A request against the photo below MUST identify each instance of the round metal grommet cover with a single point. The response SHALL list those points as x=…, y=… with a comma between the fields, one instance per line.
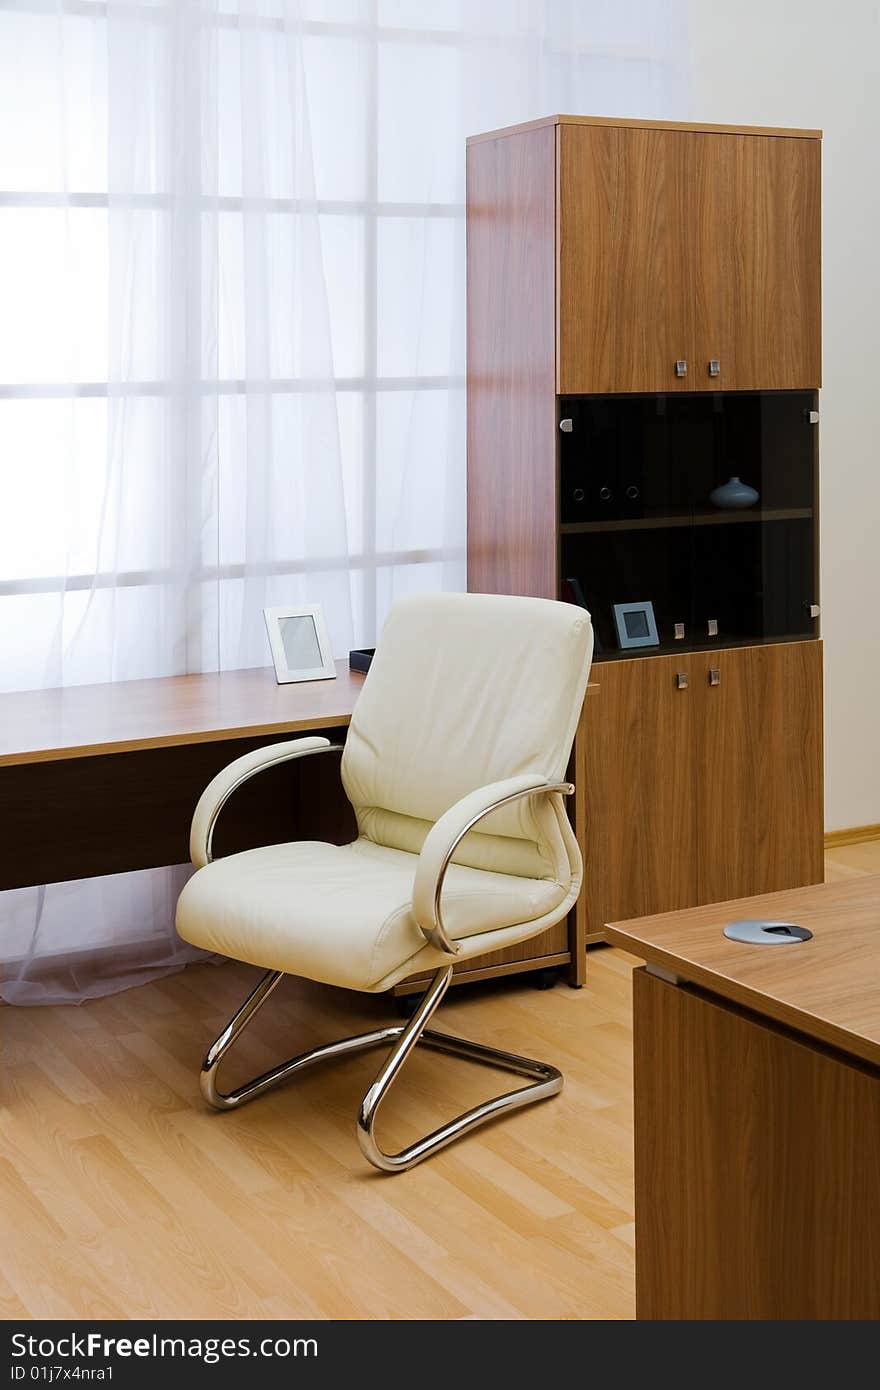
x=759, y=931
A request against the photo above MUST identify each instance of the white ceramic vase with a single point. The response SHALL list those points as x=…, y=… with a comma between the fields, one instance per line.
x=734, y=495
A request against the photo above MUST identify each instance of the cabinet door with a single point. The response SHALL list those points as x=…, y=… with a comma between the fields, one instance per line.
x=624, y=311
x=755, y=255
x=758, y=745
x=636, y=762
x=711, y=257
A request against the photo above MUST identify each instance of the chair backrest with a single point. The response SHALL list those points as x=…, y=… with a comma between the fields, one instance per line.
x=465, y=690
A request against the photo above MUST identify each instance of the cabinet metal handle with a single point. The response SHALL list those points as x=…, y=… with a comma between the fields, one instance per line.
x=566, y=426
x=714, y=675
x=682, y=680
x=681, y=367
x=714, y=366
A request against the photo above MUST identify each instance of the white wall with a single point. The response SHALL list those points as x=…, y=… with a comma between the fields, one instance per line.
x=814, y=64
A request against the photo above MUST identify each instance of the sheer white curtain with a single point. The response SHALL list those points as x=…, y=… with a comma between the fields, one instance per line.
x=232, y=340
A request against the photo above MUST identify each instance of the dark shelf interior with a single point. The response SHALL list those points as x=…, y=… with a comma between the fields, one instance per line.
x=638, y=524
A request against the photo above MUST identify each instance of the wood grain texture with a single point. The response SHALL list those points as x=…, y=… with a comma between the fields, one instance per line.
x=623, y=123
x=760, y=805
x=122, y=1196
x=79, y=721
x=772, y=255
x=844, y=862
x=269, y=1213
x=624, y=288
x=701, y=246
x=639, y=771
x=856, y=834
x=757, y=1167
x=699, y=795
x=827, y=988
x=719, y=793
x=82, y=817
x=511, y=440
x=711, y=256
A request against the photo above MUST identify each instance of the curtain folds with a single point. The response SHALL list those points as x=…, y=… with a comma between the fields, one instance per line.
x=232, y=367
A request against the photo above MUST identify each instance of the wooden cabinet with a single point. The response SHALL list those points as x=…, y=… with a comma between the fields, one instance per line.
x=622, y=252
x=757, y=1149
x=511, y=374
x=773, y=248
x=636, y=764
x=688, y=247
x=754, y=257
x=760, y=740
x=703, y=779
x=601, y=253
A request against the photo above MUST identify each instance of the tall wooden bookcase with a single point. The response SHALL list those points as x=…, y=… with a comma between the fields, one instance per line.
x=643, y=322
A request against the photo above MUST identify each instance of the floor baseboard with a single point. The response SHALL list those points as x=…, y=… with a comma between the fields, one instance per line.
x=836, y=839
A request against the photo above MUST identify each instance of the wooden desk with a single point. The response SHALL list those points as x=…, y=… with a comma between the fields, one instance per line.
x=104, y=779
x=757, y=1109
x=81, y=721
x=100, y=779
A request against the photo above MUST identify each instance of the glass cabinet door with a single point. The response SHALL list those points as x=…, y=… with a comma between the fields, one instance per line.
x=698, y=507
x=754, y=535
x=627, y=517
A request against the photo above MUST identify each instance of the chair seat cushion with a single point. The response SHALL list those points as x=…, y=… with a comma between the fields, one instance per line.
x=342, y=913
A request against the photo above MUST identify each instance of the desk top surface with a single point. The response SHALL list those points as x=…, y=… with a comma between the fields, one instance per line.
x=89, y=720
x=828, y=988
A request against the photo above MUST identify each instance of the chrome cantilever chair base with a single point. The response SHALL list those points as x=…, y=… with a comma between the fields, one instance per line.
x=544, y=1080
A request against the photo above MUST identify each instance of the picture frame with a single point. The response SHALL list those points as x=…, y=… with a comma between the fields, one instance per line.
x=636, y=625
x=300, y=643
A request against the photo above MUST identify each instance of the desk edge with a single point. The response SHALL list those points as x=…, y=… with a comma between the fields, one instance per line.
x=734, y=992
x=173, y=740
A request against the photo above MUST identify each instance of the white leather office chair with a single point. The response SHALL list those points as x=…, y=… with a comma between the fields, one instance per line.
x=454, y=764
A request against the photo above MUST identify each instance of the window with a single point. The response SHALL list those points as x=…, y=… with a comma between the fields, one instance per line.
x=232, y=270
x=232, y=345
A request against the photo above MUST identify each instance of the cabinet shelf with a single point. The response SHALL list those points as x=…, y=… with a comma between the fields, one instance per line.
x=660, y=523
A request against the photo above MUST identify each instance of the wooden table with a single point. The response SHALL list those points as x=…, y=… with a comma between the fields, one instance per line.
x=104, y=779
x=757, y=1109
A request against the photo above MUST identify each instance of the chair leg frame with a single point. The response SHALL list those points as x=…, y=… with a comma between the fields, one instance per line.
x=544, y=1080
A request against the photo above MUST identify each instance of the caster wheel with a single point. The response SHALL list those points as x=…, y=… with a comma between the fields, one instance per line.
x=544, y=979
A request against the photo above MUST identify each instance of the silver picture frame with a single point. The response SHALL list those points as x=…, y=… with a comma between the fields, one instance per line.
x=636, y=625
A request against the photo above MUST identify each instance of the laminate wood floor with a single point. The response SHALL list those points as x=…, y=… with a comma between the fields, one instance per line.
x=121, y=1196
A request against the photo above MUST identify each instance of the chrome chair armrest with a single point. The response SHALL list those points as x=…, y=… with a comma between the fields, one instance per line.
x=446, y=835
x=234, y=775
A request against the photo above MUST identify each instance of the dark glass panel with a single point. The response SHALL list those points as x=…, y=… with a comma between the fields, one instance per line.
x=615, y=462
x=654, y=565
x=755, y=579
x=639, y=523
